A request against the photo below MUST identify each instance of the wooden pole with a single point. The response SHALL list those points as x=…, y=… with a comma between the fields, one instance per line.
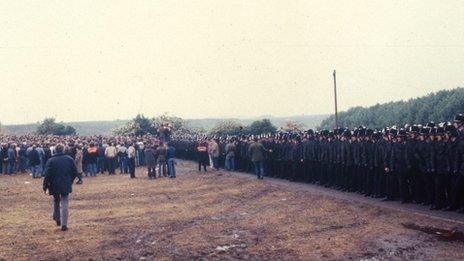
x=335, y=95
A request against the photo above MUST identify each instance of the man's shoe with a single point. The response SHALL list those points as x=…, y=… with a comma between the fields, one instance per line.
x=58, y=222
x=451, y=209
x=64, y=228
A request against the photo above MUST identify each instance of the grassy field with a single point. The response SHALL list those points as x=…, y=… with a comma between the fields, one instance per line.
x=207, y=216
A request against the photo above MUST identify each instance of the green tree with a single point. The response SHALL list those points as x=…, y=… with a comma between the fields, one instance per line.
x=49, y=126
x=141, y=125
x=177, y=124
x=260, y=127
x=439, y=107
x=228, y=127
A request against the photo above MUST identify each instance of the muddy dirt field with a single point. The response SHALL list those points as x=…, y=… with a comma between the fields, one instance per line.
x=208, y=216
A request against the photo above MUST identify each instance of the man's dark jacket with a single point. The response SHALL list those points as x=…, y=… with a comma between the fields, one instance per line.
x=60, y=173
x=34, y=157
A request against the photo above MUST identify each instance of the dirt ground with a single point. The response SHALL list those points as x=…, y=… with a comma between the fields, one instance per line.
x=208, y=216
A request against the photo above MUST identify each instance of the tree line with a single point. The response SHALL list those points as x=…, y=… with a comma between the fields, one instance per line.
x=141, y=125
x=438, y=107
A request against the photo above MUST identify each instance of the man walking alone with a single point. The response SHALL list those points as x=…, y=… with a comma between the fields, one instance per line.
x=60, y=173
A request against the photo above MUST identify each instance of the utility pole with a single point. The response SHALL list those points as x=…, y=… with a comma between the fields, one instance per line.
x=335, y=95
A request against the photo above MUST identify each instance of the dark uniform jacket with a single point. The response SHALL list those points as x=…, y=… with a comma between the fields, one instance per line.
x=424, y=153
x=398, y=157
x=439, y=158
x=453, y=154
x=34, y=157
x=412, y=156
x=150, y=157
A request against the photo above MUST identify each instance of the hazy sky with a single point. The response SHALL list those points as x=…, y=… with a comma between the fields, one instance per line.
x=102, y=60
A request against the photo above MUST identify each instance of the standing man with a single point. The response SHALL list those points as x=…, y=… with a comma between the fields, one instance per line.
x=161, y=156
x=439, y=168
x=110, y=156
x=398, y=165
x=78, y=163
x=202, y=155
x=170, y=153
x=11, y=159
x=4, y=158
x=122, y=156
x=214, y=152
x=60, y=173
x=131, y=160
x=23, y=157
x=457, y=194
x=92, y=155
x=256, y=151
x=101, y=158
x=141, y=146
x=34, y=162
x=150, y=160
x=230, y=155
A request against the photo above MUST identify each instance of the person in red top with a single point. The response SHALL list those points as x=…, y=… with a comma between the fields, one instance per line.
x=92, y=160
x=202, y=155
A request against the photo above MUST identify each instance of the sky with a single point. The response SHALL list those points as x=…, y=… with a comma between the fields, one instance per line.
x=111, y=59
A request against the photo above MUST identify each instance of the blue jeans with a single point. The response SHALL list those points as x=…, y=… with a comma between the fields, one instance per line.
x=100, y=164
x=137, y=158
x=216, y=162
x=259, y=168
x=171, y=168
x=111, y=162
x=23, y=164
x=142, y=158
x=36, y=171
x=123, y=165
x=92, y=169
x=162, y=168
x=42, y=166
x=230, y=163
x=11, y=167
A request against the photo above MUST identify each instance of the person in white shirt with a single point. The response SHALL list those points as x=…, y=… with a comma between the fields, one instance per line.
x=131, y=160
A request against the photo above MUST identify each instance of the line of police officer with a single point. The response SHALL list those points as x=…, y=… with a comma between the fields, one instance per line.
x=420, y=164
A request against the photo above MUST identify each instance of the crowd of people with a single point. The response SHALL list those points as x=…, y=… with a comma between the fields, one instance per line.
x=92, y=155
x=420, y=164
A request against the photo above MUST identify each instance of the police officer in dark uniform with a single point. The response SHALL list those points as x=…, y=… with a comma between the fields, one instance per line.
x=398, y=165
x=298, y=160
x=457, y=194
x=423, y=151
x=439, y=167
x=391, y=181
x=413, y=160
x=455, y=182
x=369, y=156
